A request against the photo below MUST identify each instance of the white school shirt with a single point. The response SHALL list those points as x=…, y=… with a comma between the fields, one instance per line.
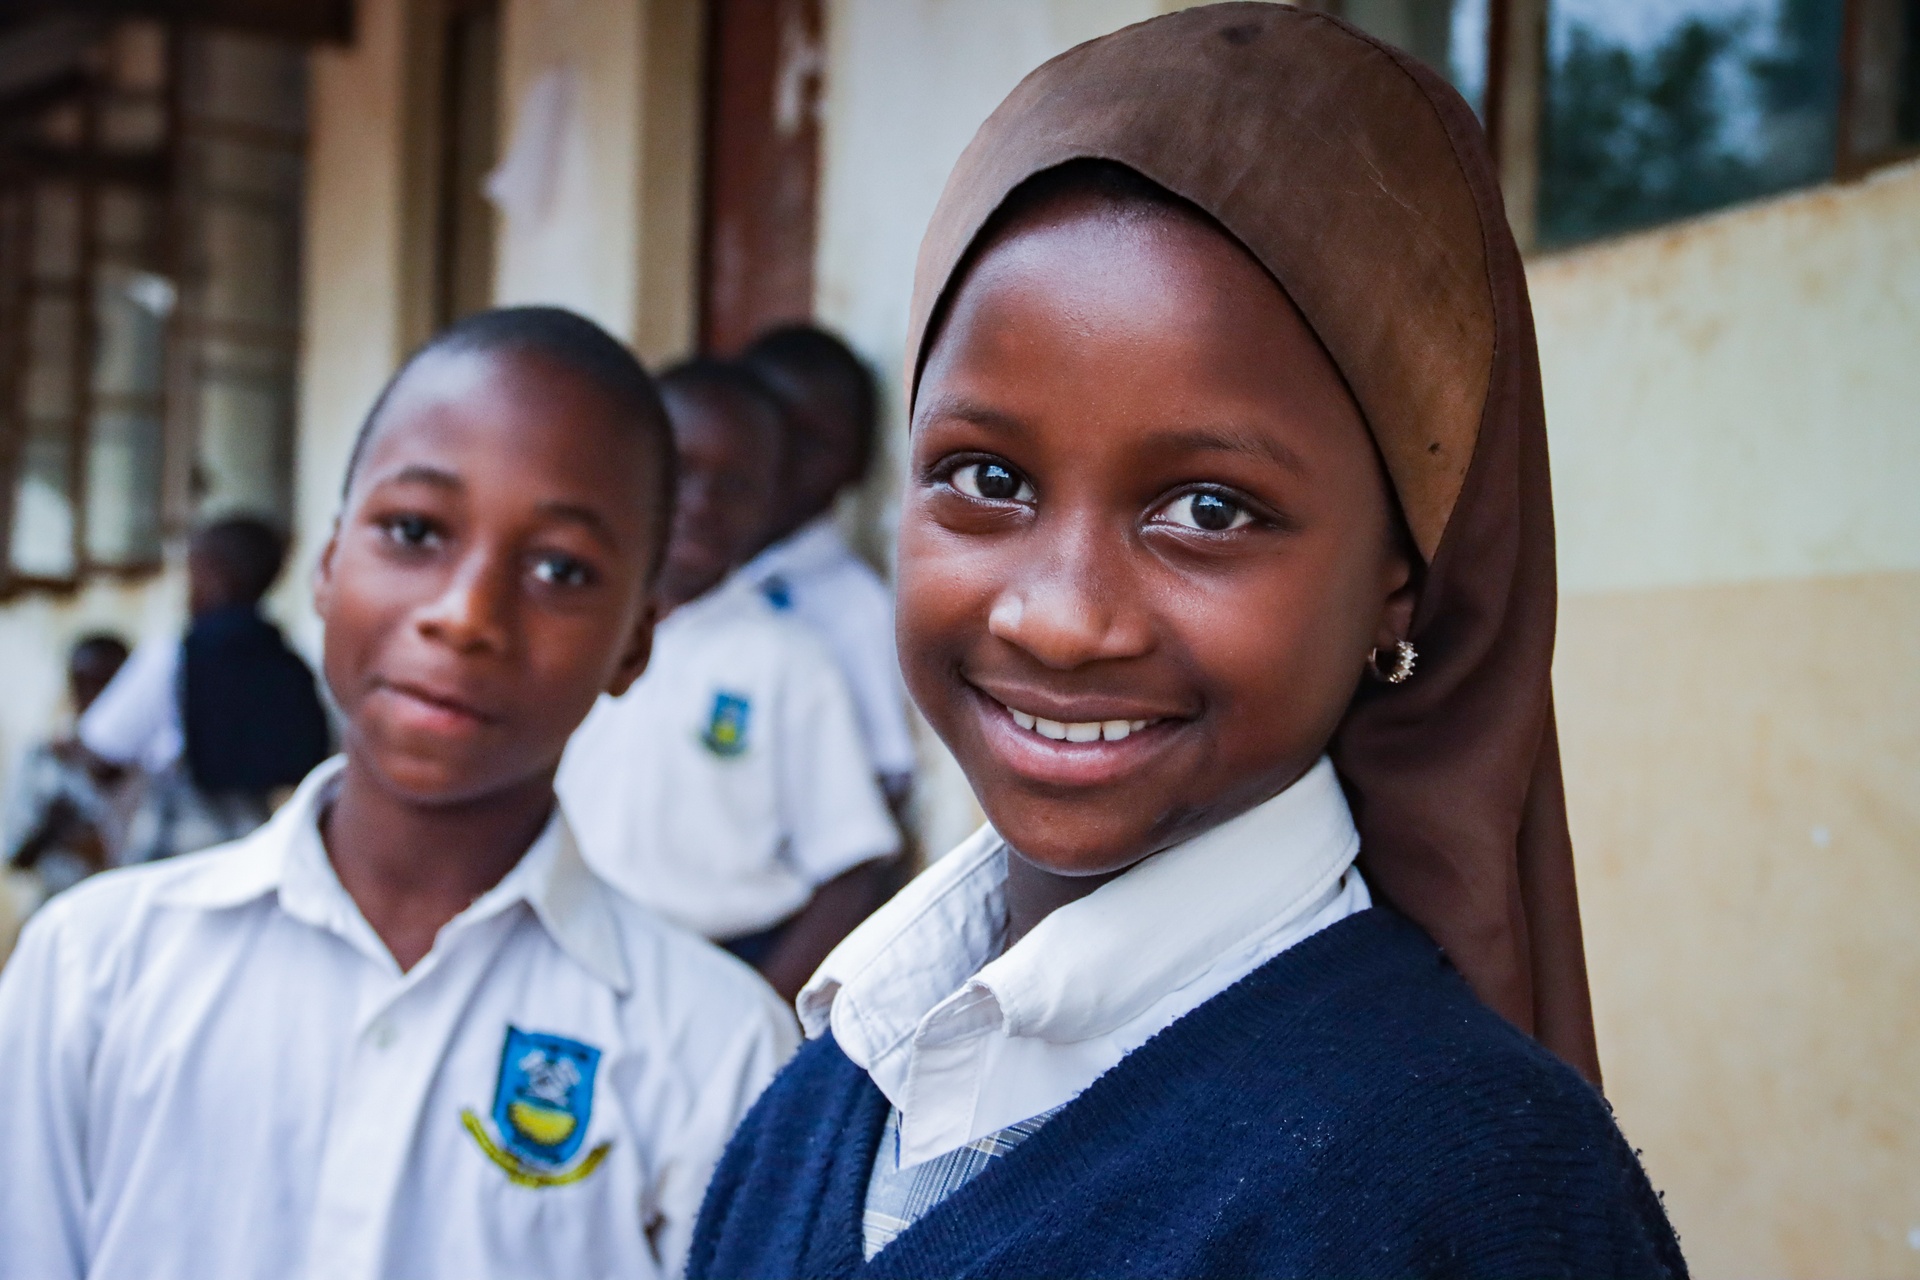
x=813, y=573
x=215, y=1069
x=730, y=781
x=965, y=1040
x=136, y=718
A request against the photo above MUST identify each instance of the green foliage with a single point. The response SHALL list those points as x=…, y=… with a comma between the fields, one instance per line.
x=1697, y=121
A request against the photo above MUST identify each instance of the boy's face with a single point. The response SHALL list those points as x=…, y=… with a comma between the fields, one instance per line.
x=822, y=442
x=728, y=447
x=487, y=580
x=1142, y=509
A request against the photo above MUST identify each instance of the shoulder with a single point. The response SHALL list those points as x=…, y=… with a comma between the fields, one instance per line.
x=742, y=630
x=689, y=988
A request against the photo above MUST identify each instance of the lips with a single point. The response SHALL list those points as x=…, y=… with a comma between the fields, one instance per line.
x=1086, y=746
x=435, y=709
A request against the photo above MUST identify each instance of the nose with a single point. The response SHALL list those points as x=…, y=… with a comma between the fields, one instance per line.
x=1076, y=603
x=473, y=614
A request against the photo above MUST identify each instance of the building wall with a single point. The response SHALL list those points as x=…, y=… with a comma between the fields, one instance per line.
x=1732, y=407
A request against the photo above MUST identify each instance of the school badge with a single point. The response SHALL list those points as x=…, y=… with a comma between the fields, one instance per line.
x=541, y=1106
x=726, y=731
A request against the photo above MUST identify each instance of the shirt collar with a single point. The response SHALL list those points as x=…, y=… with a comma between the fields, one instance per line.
x=813, y=545
x=1093, y=965
x=286, y=856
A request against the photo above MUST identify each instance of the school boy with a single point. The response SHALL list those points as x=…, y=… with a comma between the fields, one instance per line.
x=402, y=1030
x=1225, y=571
x=829, y=404
x=729, y=788
x=223, y=721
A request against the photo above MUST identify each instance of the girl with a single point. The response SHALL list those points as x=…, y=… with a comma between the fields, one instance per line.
x=1226, y=572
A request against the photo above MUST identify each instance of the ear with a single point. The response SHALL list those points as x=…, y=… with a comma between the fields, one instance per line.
x=1396, y=613
x=639, y=650
x=323, y=573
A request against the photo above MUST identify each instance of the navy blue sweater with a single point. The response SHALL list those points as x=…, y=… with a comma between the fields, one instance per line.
x=1347, y=1110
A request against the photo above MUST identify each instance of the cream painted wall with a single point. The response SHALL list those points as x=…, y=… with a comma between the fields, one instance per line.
x=1737, y=397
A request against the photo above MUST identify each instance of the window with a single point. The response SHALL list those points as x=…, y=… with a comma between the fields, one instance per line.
x=149, y=199
x=1610, y=116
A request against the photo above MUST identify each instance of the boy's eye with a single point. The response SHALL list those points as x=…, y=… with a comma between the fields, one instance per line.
x=411, y=532
x=993, y=481
x=562, y=571
x=1208, y=510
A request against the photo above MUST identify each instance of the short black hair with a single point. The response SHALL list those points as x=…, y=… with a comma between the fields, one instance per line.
x=577, y=345
x=248, y=552
x=97, y=649
x=808, y=352
x=731, y=377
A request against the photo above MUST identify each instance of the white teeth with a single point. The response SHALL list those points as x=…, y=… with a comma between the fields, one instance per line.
x=1076, y=731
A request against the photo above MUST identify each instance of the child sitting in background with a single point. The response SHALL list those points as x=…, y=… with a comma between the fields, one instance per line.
x=829, y=408
x=402, y=1030
x=1226, y=573
x=729, y=788
x=66, y=810
x=222, y=722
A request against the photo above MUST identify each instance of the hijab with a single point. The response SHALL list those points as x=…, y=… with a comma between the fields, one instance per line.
x=1362, y=182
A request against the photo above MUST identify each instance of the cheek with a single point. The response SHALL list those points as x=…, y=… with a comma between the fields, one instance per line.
x=943, y=590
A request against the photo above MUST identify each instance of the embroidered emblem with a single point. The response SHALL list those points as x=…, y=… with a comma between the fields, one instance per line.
x=778, y=594
x=726, y=731
x=541, y=1106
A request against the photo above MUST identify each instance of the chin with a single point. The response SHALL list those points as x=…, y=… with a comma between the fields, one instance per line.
x=1069, y=840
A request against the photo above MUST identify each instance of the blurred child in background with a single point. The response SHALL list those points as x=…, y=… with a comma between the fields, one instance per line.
x=66, y=811
x=223, y=721
x=830, y=410
x=403, y=1031
x=729, y=789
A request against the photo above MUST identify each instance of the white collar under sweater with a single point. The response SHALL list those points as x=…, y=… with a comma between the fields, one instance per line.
x=965, y=1040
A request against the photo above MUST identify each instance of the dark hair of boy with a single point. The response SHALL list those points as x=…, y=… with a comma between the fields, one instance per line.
x=91, y=664
x=729, y=438
x=831, y=405
x=490, y=575
x=233, y=561
x=572, y=341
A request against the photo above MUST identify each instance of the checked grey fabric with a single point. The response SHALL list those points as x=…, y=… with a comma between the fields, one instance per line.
x=897, y=1198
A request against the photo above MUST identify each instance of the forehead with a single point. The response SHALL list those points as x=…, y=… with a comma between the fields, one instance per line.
x=511, y=419
x=713, y=412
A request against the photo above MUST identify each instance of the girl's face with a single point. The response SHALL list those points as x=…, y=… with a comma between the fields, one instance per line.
x=1147, y=544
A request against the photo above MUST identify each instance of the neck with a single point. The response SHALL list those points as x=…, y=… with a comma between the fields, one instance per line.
x=1034, y=893
x=410, y=867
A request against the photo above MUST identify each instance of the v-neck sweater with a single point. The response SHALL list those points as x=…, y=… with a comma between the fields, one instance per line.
x=1348, y=1109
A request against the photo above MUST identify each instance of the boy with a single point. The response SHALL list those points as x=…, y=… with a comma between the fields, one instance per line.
x=222, y=722
x=729, y=789
x=829, y=401
x=402, y=1030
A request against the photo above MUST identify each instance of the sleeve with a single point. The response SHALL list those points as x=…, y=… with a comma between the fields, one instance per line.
x=136, y=718
x=29, y=794
x=48, y=1028
x=734, y=1082
x=833, y=810
x=856, y=614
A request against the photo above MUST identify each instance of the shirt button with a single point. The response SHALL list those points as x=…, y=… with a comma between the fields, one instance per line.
x=382, y=1034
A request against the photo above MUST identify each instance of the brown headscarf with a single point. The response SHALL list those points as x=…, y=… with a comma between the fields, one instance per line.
x=1362, y=182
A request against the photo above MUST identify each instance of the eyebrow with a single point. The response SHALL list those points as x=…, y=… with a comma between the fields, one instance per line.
x=1220, y=438
x=567, y=512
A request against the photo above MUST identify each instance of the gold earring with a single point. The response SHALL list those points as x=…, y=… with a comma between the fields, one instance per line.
x=1403, y=657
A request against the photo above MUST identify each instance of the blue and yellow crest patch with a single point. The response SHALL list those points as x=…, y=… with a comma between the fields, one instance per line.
x=726, y=731
x=541, y=1106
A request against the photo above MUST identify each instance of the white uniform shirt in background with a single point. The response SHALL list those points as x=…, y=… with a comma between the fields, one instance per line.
x=814, y=574
x=136, y=718
x=965, y=1040
x=730, y=782
x=215, y=1069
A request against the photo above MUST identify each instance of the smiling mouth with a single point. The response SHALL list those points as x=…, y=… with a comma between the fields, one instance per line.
x=439, y=702
x=1076, y=730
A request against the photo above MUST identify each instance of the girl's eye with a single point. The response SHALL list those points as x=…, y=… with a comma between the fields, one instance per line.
x=412, y=532
x=1208, y=510
x=993, y=481
x=562, y=571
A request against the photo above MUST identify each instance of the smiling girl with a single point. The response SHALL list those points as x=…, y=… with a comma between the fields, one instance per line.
x=1226, y=573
